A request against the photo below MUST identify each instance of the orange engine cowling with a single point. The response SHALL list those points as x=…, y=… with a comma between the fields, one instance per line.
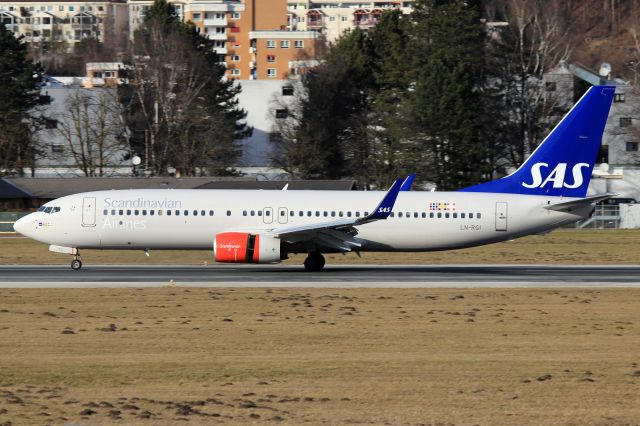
x=241, y=247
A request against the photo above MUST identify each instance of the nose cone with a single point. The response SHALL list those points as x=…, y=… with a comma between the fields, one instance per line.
x=21, y=225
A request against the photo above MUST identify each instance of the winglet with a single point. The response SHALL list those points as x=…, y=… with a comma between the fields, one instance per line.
x=385, y=207
x=406, y=185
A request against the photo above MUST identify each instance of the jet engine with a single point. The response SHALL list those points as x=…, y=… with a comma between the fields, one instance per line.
x=241, y=247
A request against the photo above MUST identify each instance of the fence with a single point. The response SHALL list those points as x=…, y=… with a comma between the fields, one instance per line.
x=7, y=219
x=605, y=216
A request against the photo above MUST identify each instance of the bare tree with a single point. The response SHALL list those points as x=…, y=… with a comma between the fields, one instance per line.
x=93, y=131
x=535, y=41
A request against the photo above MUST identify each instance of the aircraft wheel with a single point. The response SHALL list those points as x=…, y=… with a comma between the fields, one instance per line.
x=76, y=264
x=314, y=262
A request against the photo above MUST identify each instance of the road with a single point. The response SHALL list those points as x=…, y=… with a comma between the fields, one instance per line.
x=402, y=276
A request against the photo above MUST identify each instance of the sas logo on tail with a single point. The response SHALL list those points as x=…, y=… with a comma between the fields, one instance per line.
x=557, y=176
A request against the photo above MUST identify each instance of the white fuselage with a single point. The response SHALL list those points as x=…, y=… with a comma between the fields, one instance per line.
x=422, y=221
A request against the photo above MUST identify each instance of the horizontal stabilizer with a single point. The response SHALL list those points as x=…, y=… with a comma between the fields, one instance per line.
x=570, y=205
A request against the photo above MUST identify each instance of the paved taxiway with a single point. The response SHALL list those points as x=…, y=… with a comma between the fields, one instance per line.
x=402, y=276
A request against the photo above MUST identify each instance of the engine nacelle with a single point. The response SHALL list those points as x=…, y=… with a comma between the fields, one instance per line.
x=241, y=247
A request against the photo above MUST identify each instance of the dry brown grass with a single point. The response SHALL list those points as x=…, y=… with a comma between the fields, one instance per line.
x=366, y=356
x=560, y=247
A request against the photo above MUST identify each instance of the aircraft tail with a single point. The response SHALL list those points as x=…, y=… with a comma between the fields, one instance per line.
x=563, y=162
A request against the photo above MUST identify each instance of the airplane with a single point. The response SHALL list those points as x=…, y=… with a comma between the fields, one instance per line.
x=245, y=226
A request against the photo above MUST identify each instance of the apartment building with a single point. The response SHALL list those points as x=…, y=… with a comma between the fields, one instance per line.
x=67, y=20
x=252, y=35
x=333, y=17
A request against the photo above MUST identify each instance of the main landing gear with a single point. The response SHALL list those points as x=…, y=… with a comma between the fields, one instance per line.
x=314, y=262
x=76, y=263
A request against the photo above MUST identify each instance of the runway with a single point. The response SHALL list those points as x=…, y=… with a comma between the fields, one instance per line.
x=333, y=276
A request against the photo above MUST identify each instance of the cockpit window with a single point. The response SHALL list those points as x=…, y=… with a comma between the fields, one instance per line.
x=49, y=210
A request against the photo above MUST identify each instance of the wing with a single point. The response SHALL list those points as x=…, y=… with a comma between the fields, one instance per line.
x=338, y=235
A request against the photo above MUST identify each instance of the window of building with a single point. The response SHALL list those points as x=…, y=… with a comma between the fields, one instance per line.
x=298, y=44
x=196, y=16
x=235, y=15
x=59, y=148
x=51, y=123
x=625, y=121
x=60, y=8
x=271, y=44
x=235, y=58
x=282, y=113
x=631, y=146
x=235, y=72
x=550, y=86
x=619, y=97
x=271, y=72
x=287, y=90
x=72, y=8
x=285, y=44
x=332, y=18
x=271, y=58
x=344, y=19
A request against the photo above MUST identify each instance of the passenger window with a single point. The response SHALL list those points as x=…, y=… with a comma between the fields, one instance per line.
x=478, y=216
x=325, y=213
x=267, y=213
x=229, y=213
x=455, y=215
x=244, y=212
x=203, y=213
x=317, y=213
x=210, y=212
x=121, y=212
x=408, y=215
x=195, y=212
x=431, y=215
x=415, y=214
x=470, y=215
x=439, y=215
x=333, y=214
x=461, y=215
x=348, y=214
x=260, y=213
x=446, y=215
x=340, y=214
x=300, y=213
x=424, y=215
x=357, y=214
x=252, y=213
x=292, y=213
x=392, y=214
x=105, y=212
x=366, y=214
x=399, y=214
x=128, y=212
x=177, y=212
x=159, y=212
x=113, y=212
x=168, y=212
x=144, y=212
x=308, y=213
x=152, y=212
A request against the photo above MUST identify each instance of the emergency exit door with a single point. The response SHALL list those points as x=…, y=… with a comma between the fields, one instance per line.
x=89, y=211
x=501, y=216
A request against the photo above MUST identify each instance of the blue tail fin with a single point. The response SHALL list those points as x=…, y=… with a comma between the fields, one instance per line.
x=563, y=162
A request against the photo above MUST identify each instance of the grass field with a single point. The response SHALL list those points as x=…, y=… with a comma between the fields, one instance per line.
x=316, y=356
x=566, y=246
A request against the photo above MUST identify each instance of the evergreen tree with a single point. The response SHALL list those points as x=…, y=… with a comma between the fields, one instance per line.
x=448, y=44
x=182, y=114
x=20, y=82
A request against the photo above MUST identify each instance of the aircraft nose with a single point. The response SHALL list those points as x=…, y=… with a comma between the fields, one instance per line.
x=21, y=225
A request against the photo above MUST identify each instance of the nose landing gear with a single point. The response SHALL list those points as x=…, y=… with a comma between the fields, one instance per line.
x=76, y=263
x=314, y=262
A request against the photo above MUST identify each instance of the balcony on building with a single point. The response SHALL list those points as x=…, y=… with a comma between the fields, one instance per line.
x=84, y=21
x=315, y=20
x=10, y=21
x=215, y=19
x=365, y=18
